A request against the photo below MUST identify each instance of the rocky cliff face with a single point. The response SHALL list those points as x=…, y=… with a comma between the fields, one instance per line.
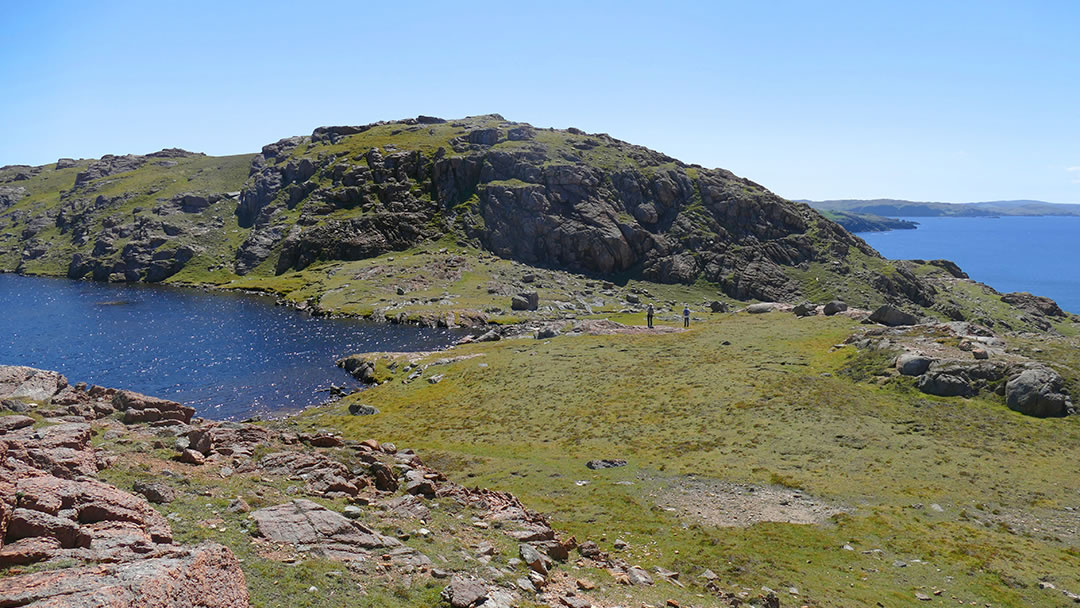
x=587, y=203
x=565, y=199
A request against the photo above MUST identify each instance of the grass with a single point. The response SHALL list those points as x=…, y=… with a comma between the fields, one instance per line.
x=771, y=408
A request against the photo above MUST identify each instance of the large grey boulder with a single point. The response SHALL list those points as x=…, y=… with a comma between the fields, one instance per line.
x=1037, y=392
x=910, y=364
x=892, y=316
x=833, y=307
x=761, y=308
x=944, y=385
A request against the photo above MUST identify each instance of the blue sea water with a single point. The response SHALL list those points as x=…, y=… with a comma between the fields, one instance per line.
x=1040, y=255
x=228, y=355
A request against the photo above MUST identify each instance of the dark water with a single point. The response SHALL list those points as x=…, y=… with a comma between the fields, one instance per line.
x=228, y=355
x=1040, y=255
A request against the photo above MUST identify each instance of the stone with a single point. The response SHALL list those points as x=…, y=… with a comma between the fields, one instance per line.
x=305, y=523
x=980, y=353
x=910, y=364
x=718, y=306
x=605, y=464
x=464, y=592
x=142, y=408
x=529, y=300
x=638, y=576
x=190, y=456
x=1037, y=392
x=360, y=409
x=547, y=332
x=892, y=316
x=155, y=492
x=536, y=561
x=833, y=307
x=944, y=385
x=208, y=576
x=14, y=423
x=416, y=483
x=633, y=298
x=804, y=309
x=761, y=308
x=19, y=382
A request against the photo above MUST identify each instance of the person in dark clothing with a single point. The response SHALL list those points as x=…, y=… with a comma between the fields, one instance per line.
x=686, y=316
x=649, y=315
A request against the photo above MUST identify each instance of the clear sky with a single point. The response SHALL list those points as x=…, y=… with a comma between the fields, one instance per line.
x=944, y=101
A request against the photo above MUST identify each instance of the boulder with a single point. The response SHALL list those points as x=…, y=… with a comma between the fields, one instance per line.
x=910, y=364
x=804, y=309
x=528, y=300
x=156, y=492
x=305, y=523
x=944, y=385
x=1037, y=392
x=360, y=409
x=834, y=306
x=19, y=382
x=718, y=306
x=142, y=408
x=892, y=316
x=760, y=308
x=464, y=592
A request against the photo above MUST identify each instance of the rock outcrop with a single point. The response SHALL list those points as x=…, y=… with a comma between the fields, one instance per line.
x=53, y=510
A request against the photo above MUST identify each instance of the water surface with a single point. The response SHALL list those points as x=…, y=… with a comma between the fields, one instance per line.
x=228, y=355
x=1034, y=254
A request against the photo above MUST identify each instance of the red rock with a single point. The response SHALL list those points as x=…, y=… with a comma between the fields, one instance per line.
x=190, y=456
x=28, y=524
x=208, y=576
x=213, y=437
x=92, y=501
x=13, y=423
x=326, y=440
x=27, y=551
x=61, y=450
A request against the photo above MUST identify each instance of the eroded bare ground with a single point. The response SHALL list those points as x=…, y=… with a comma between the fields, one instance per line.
x=725, y=504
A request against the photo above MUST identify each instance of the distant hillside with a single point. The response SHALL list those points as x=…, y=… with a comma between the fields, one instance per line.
x=561, y=199
x=900, y=208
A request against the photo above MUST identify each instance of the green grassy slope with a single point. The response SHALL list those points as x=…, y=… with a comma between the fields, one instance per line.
x=773, y=408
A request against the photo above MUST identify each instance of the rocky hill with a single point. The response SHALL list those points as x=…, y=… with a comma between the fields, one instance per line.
x=562, y=199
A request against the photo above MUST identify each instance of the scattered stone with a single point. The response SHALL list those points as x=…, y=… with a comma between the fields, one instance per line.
x=804, y=309
x=980, y=353
x=464, y=592
x=638, y=576
x=605, y=464
x=718, y=306
x=536, y=561
x=156, y=492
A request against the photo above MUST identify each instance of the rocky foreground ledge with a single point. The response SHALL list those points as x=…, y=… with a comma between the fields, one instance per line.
x=67, y=538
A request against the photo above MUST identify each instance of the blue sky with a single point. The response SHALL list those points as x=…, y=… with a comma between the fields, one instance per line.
x=950, y=101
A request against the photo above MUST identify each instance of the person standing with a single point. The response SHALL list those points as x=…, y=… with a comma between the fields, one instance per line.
x=686, y=315
x=649, y=315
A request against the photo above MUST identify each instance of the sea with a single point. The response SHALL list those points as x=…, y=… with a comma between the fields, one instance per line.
x=1040, y=255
